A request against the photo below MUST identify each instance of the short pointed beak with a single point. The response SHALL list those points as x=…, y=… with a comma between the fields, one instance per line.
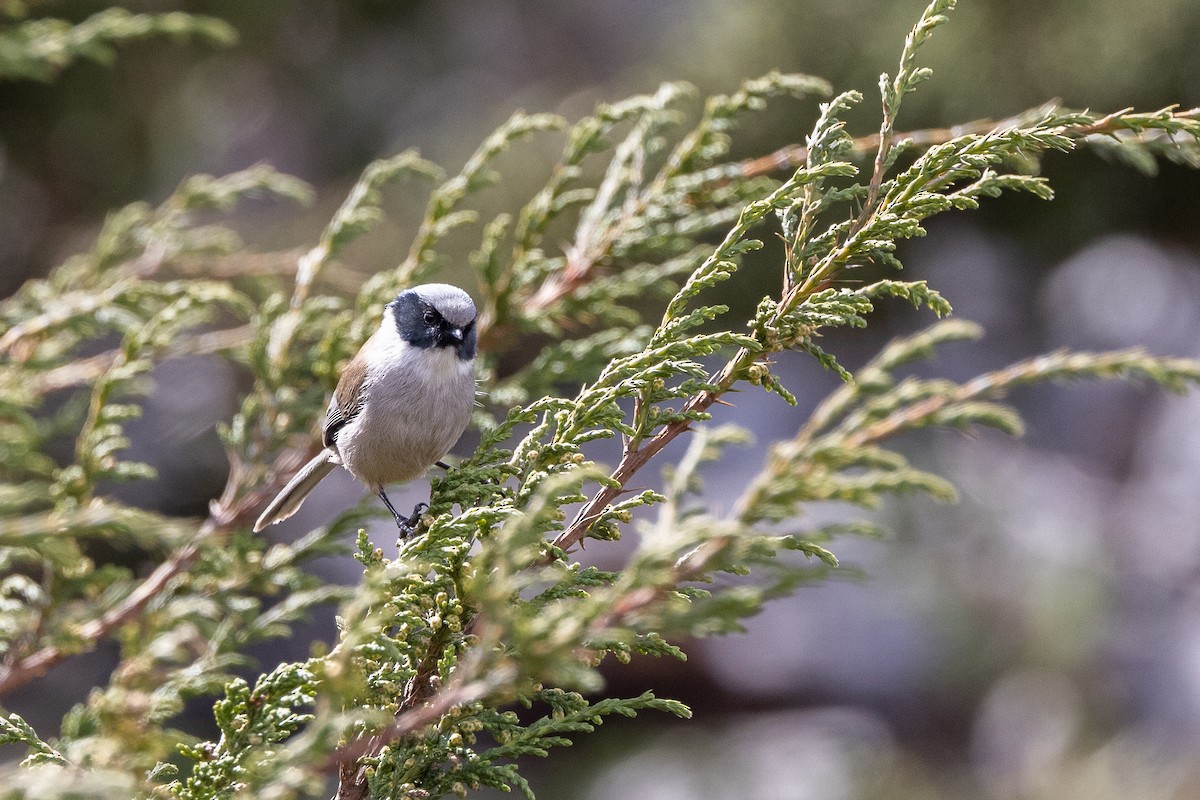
x=455, y=335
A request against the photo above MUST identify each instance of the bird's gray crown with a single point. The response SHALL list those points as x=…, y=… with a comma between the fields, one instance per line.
x=455, y=305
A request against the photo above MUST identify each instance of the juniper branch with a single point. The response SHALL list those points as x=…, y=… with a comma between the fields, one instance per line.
x=1134, y=363
x=86, y=370
x=39, y=49
x=1091, y=133
x=411, y=719
x=434, y=641
x=637, y=455
x=228, y=513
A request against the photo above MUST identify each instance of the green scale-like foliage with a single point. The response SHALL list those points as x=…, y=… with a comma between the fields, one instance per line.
x=478, y=644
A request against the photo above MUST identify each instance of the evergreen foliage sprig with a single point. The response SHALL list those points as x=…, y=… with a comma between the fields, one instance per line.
x=40, y=48
x=492, y=606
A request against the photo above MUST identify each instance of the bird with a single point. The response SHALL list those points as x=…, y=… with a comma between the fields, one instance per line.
x=400, y=404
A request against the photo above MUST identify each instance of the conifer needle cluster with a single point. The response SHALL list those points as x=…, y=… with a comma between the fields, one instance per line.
x=478, y=645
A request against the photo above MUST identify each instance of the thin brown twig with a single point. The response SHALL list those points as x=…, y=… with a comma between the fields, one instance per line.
x=67, y=306
x=796, y=155
x=985, y=385
x=226, y=514
x=423, y=702
x=148, y=262
x=992, y=384
x=582, y=261
x=352, y=784
x=634, y=459
x=417, y=712
x=89, y=369
x=38, y=663
x=689, y=567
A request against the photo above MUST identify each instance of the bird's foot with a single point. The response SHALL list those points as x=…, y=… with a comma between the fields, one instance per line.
x=408, y=525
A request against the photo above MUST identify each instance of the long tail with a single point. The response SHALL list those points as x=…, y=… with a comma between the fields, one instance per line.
x=288, y=501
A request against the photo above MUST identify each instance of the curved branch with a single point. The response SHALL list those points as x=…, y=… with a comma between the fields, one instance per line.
x=636, y=455
x=226, y=513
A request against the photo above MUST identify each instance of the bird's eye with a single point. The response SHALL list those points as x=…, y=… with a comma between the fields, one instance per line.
x=430, y=318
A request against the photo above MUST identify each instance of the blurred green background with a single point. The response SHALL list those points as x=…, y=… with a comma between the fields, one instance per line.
x=1040, y=639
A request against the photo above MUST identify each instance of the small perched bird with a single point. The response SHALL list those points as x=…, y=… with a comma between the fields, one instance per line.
x=401, y=403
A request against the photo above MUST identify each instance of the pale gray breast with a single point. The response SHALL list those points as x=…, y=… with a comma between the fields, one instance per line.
x=414, y=410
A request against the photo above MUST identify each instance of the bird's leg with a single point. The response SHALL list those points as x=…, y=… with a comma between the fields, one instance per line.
x=407, y=525
x=400, y=521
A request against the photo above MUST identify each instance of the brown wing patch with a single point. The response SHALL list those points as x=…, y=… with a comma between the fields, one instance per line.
x=347, y=399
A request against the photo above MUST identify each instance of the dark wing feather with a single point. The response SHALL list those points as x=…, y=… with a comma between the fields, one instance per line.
x=347, y=400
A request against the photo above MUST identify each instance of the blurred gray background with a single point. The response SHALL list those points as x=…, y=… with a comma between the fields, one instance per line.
x=1039, y=639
